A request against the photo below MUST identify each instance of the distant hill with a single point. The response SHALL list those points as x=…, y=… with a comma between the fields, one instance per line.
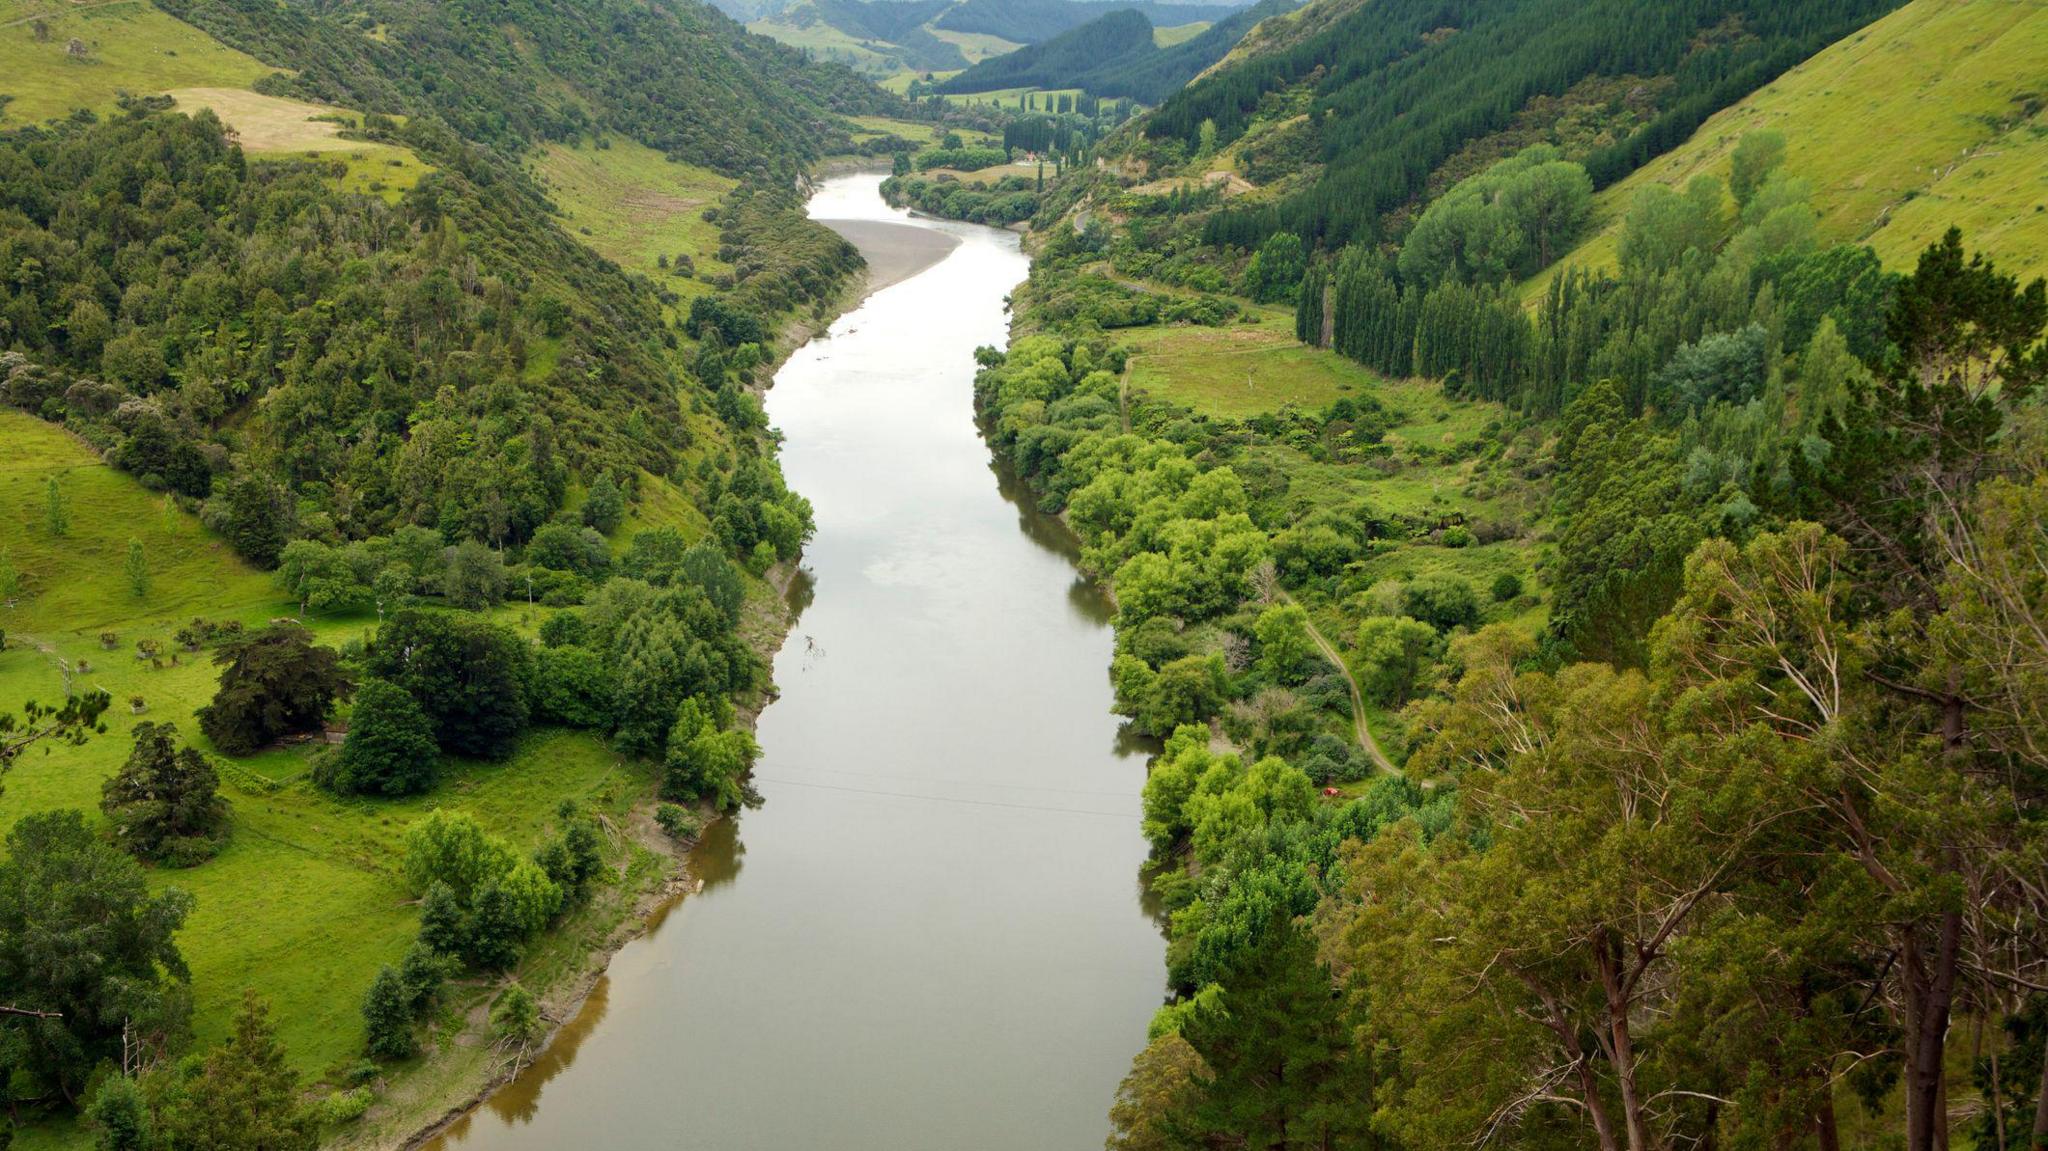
x=1116, y=55
x=1033, y=21
x=888, y=36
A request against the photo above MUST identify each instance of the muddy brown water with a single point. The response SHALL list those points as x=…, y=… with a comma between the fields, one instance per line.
x=933, y=934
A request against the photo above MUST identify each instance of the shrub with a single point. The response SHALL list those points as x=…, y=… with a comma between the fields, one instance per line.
x=678, y=821
x=1507, y=586
x=1457, y=536
x=1443, y=602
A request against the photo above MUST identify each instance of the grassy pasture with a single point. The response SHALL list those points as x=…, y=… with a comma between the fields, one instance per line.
x=130, y=46
x=633, y=205
x=1239, y=370
x=1932, y=116
x=976, y=46
x=274, y=128
x=1177, y=34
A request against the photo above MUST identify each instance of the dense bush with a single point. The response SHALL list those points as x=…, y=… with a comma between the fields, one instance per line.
x=469, y=676
x=390, y=749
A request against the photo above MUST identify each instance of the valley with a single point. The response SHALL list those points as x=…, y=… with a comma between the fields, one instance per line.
x=1023, y=573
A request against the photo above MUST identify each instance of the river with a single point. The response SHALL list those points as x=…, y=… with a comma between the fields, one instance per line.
x=932, y=935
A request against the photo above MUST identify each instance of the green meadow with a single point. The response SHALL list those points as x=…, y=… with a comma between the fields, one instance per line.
x=304, y=904
x=633, y=206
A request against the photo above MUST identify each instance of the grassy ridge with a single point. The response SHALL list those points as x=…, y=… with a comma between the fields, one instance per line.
x=131, y=46
x=1930, y=117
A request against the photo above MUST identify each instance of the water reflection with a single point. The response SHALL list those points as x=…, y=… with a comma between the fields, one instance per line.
x=935, y=944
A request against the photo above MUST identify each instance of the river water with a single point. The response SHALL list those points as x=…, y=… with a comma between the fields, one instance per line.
x=932, y=936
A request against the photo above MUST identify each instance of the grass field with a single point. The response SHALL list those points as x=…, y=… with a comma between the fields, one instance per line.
x=976, y=46
x=304, y=904
x=1012, y=97
x=831, y=44
x=1177, y=34
x=131, y=46
x=1239, y=370
x=633, y=205
x=274, y=128
x=1930, y=117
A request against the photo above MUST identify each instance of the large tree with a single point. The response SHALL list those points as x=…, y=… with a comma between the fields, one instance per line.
x=165, y=801
x=278, y=682
x=86, y=956
x=470, y=676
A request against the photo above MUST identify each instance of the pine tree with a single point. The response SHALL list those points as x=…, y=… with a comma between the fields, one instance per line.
x=245, y=1095
x=1282, y=1073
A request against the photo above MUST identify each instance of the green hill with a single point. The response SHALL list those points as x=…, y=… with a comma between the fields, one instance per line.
x=1931, y=117
x=1397, y=92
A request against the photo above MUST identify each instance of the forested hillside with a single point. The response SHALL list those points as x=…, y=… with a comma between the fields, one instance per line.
x=1373, y=105
x=1592, y=716
x=326, y=387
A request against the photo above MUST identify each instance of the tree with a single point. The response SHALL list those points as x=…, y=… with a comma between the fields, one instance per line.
x=121, y=1115
x=1392, y=653
x=1280, y=1069
x=1285, y=649
x=390, y=749
x=565, y=547
x=164, y=803
x=476, y=576
x=255, y=515
x=705, y=759
x=575, y=855
x=1161, y=1084
x=604, y=506
x=1442, y=602
x=515, y=1018
x=388, y=1017
x=469, y=675
x=56, y=515
x=136, y=568
x=244, y=1096
x=479, y=900
x=277, y=683
x=452, y=848
x=1757, y=155
x=1912, y=449
x=65, y=894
